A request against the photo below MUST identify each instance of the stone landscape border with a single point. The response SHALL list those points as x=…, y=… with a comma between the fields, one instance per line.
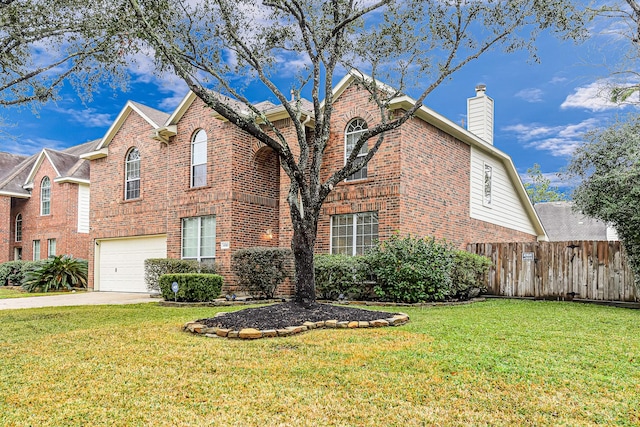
x=251, y=333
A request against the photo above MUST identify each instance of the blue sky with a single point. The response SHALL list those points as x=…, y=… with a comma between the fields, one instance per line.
x=541, y=110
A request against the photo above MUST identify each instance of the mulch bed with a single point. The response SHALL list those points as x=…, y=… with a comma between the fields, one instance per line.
x=285, y=314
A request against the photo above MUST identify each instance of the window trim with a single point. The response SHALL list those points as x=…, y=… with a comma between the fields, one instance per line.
x=127, y=179
x=51, y=243
x=195, y=141
x=199, y=257
x=364, y=126
x=354, y=230
x=45, y=196
x=18, y=228
x=36, y=245
x=487, y=185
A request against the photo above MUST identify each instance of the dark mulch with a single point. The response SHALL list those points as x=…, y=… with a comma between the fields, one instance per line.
x=285, y=314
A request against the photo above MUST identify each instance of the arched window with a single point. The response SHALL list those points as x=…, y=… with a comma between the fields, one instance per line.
x=132, y=175
x=355, y=128
x=19, y=227
x=45, y=196
x=199, y=159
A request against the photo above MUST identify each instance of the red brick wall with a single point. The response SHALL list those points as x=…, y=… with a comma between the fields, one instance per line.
x=435, y=183
x=418, y=182
x=380, y=191
x=112, y=215
x=6, y=233
x=61, y=224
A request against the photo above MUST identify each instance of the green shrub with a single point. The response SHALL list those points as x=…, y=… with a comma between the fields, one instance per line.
x=260, y=270
x=412, y=270
x=156, y=267
x=192, y=287
x=10, y=272
x=342, y=275
x=468, y=274
x=13, y=271
x=55, y=273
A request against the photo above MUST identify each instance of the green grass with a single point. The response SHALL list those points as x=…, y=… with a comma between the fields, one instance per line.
x=18, y=292
x=497, y=363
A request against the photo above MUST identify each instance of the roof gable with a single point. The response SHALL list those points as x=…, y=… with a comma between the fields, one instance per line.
x=154, y=117
x=15, y=175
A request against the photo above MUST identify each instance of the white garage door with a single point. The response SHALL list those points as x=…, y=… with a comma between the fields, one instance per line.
x=121, y=262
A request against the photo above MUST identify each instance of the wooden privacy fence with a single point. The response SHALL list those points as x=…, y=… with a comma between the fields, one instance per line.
x=594, y=270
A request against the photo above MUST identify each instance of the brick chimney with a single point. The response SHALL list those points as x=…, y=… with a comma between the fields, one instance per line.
x=480, y=115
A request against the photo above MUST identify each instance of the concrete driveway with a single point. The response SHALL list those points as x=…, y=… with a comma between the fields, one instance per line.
x=80, y=298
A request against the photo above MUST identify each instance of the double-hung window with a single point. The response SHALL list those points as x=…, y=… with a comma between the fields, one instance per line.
x=132, y=175
x=45, y=196
x=199, y=159
x=352, y=133
x=354, y=234
x=36, y=250
x=199, y=238
x=51, y=247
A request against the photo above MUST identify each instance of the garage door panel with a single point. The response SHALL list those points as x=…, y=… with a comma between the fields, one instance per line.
x=121, y=262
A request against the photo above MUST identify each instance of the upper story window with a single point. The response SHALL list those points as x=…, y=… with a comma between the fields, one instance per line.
x=19, y=227
x=45, y=196
x=199, y=159
x=355, y=128
x=488, y=177
x=132, y=175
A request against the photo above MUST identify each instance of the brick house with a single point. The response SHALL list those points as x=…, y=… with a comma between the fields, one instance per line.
x=190, y=185
x=44, y=204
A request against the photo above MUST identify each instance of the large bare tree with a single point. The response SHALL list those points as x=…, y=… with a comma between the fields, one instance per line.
x=47, y=43
x=210, y=44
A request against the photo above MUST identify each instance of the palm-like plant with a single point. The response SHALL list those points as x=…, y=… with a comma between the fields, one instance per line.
x=55, y=273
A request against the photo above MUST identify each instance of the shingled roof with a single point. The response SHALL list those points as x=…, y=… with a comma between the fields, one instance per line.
x=16, y=171
x=563, y=224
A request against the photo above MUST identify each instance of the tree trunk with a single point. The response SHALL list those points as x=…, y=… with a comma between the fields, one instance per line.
x=303, y=247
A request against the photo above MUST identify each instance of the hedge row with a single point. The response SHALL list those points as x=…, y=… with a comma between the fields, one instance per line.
x=405, y=270
x=192, y=287
x=156, y=267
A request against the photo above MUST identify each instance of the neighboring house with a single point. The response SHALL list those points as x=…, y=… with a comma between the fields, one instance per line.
x=44, y=204
x=191, y=185
x=563, y=224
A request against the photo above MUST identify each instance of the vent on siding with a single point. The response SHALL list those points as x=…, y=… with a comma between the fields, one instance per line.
x=480, y=115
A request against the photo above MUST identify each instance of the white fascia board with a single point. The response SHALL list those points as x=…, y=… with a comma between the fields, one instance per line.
x=36, y=166
x=144, y=116
x=16, y=195
x=72, y=180
x=93, y=155
x=117, y=124
x=352, y=75
x=184, y=105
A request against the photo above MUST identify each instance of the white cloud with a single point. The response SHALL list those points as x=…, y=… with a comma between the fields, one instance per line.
x=143, y=70
x=530, y=94
x=557, y=79
x=559, y=141
x=87, y=117
x=594, y=97
x=29, y=146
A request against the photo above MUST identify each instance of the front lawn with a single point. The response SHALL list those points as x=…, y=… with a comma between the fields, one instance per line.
x=500, y=362
x=18, y=292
